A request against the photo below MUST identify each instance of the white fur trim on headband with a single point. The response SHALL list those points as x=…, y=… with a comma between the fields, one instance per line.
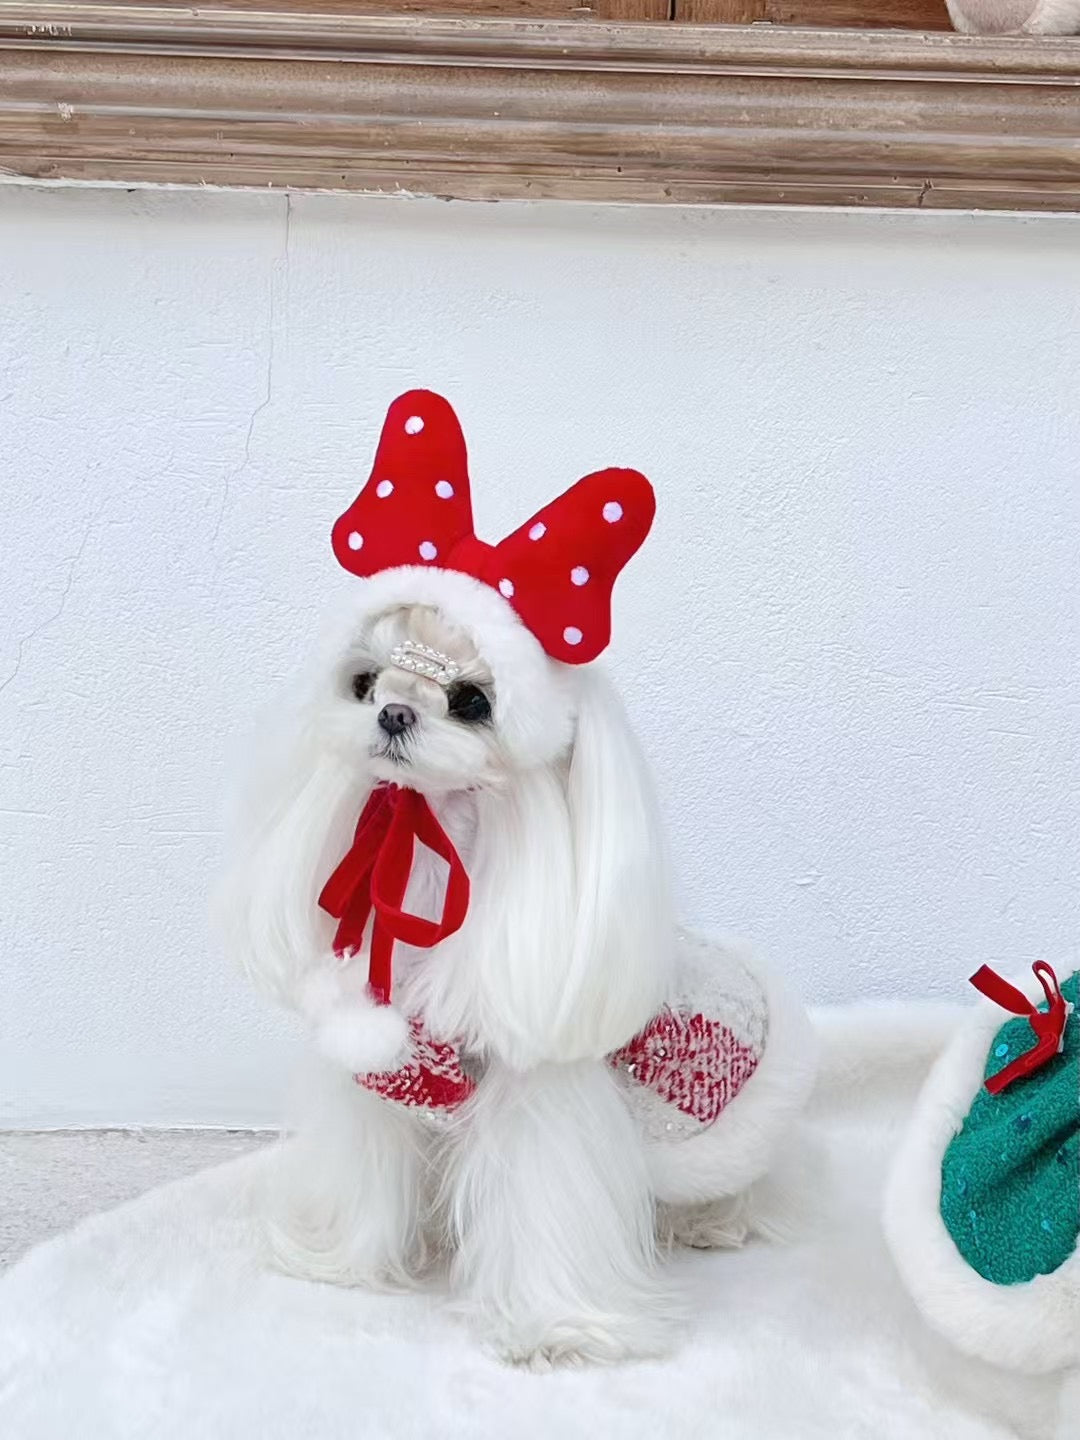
x=1033, y=1327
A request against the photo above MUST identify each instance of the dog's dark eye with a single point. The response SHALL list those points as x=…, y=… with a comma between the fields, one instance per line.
x=362, y=685
x=469, y=704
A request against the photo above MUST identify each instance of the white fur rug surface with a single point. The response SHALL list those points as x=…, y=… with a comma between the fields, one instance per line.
x=160, y=1321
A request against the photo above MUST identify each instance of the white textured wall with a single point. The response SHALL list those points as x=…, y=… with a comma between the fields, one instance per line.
x=851, y=646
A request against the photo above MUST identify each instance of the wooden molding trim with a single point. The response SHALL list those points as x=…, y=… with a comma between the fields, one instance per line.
x=484, y=108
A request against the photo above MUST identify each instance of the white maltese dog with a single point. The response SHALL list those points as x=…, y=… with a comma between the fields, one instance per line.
x=456, y=876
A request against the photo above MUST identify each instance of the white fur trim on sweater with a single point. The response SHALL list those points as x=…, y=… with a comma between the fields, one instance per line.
x=739, y=1146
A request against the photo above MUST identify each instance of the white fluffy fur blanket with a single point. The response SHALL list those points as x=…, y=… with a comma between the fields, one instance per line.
x=159, y=1320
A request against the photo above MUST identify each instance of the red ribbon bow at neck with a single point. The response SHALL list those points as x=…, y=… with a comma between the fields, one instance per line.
x=1048, y=1025
x=374, y=876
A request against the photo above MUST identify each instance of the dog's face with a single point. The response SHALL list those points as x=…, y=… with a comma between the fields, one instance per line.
x=430, y=735
x=568, y=878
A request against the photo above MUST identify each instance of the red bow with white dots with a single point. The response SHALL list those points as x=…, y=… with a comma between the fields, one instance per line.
x=557, y=570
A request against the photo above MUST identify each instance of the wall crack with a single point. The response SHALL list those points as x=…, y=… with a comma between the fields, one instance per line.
x=43, y=625
x=268, y=395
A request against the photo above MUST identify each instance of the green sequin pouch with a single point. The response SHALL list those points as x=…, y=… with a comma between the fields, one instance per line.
x=1010, y=1181
x=982, y=1208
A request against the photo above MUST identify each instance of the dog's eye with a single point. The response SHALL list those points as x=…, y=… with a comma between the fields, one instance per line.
x=469, y=703
x=362, y=685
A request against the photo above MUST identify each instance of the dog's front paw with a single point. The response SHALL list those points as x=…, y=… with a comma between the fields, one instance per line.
x=721, y=1224
x=604, y=1340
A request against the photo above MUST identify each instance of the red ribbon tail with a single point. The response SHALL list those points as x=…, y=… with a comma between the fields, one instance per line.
x=1048, y=1025
x=381, y=963
x=990, y=984
x=346, y=896
x=374, y=876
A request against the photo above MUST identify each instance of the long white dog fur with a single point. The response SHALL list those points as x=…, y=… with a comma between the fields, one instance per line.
x=539, y=1190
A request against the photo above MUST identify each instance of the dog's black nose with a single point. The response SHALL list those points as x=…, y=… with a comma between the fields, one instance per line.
x=396, y=719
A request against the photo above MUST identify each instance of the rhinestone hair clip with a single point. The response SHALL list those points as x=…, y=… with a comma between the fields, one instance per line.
x=423, y=660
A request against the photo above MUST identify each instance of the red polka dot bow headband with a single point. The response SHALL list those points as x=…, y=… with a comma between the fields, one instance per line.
x=557, y=570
